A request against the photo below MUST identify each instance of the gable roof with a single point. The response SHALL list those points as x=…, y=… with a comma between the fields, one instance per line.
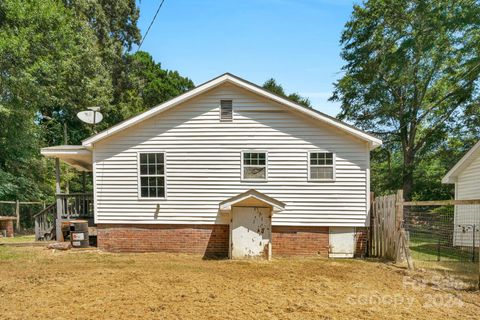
x=230, y=78
x=472, y=154
x=227, y=205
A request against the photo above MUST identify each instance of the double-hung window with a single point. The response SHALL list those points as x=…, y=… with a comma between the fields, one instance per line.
x=152, y=175
x=254, y=165
x=321, y=166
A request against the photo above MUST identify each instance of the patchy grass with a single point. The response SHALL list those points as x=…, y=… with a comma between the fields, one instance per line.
x=18, y=239
x=8, y=254
x=425, y=247
x=39, y=283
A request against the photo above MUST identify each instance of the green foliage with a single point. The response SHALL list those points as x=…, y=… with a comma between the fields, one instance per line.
x=143, y=84
x=411, y=76
x=49, y=66
x=272, y=86
x=114, y=23
x=56, y=59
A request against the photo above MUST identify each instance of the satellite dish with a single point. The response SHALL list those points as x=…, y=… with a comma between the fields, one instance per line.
x=90, y=116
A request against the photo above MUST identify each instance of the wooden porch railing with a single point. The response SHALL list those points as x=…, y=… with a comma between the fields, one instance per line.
x=45, y=223
x=73, y=206
x=76, y=205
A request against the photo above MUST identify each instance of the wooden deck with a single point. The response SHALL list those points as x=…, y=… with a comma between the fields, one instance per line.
x=68, y=207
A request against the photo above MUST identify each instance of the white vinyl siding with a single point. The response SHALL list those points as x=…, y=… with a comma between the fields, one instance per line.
x=467, y=187
x=204, y=157
x=468, y=182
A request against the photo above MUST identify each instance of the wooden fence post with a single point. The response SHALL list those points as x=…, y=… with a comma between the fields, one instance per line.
x=372, y=225
x=398, y=225
x=58, y=220
x=17, y=214
x=402, y=245
x=406, y=249
x=399, y=212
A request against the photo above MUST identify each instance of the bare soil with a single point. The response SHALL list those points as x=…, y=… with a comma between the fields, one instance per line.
x=39, y=283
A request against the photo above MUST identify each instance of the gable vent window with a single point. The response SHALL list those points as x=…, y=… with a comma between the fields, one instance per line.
x=226, y=110
x=152, y=175
x=321, y=166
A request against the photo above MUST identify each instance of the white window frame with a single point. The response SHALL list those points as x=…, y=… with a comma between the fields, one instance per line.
x=333, y=165
x=242, y=178
x=220, y=111
x=139, y=175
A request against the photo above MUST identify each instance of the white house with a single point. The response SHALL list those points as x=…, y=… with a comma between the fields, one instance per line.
x=228, y=168
x=466, y=177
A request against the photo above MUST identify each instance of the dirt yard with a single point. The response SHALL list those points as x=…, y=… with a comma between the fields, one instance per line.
x=39, y=283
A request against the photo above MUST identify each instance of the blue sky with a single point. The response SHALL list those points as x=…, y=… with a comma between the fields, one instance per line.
x=294, y=41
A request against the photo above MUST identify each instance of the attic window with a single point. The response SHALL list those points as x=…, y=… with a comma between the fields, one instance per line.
x=226, y=110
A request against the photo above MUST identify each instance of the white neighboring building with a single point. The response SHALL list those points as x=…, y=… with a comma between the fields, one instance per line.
x=466, y=177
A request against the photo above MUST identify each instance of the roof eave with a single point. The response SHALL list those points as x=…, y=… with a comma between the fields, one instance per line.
x=76, y=156
x=373, y=141
x=227, y=205
x=155, y=110
x=449, y=180
x=452, y=175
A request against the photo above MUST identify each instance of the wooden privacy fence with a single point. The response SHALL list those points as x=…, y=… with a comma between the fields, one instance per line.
x=388, y=238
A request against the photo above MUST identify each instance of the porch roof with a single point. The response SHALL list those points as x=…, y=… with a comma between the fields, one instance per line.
x=78, y=157
x=252, y=197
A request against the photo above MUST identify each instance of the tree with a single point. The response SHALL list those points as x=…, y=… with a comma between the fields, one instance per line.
x=114, y=23
x=112, y=29
x=60, y=57
x=143, y=84
x=272, y=86
x=49, y=66
x=411, y=74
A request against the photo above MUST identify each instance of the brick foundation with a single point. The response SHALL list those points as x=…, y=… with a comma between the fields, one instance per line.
x=208, y=240
x=8, y=226
x=213, y=240
x=290, y=241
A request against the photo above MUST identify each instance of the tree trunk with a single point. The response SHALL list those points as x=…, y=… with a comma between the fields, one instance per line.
x=408, y=168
